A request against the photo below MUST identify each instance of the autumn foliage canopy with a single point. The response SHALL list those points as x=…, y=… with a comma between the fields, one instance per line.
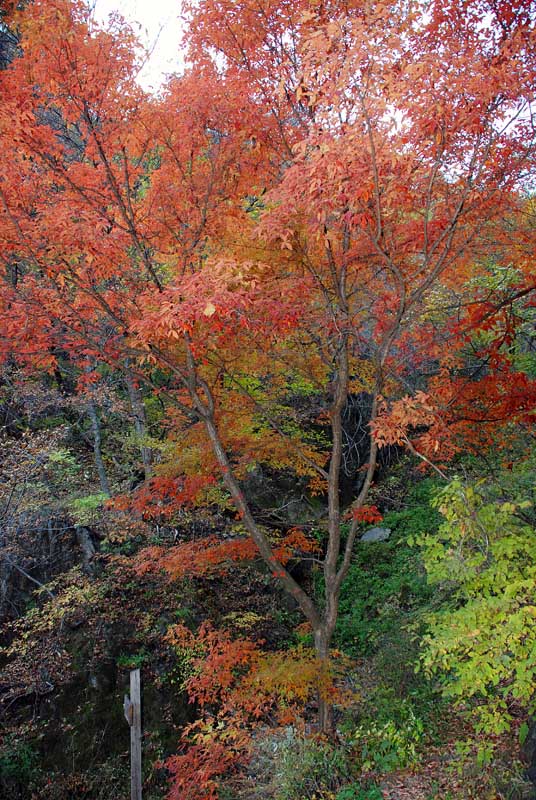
x=334, y=201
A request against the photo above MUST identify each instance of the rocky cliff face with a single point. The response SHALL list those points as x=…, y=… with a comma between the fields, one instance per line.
x=8, y=44
x=36, y=551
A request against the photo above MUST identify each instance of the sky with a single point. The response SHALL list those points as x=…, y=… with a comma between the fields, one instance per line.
x=158, y=26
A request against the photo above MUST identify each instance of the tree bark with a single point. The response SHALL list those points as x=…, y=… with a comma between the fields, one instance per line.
x=323, y=625
x=322, y=639
x=139, y=418
x=87, y=547
x=97, y=449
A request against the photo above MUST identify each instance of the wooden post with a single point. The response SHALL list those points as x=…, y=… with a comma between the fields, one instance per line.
x=132, y=708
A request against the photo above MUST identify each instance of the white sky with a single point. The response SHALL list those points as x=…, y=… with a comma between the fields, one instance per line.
x=157, y=24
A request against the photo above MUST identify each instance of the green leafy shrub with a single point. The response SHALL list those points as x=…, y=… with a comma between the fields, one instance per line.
x=309, y=767
x=355, y=791
x=18, y=761
x=85, y=510
x=133, y=661
x=63, y=464
x=385, y=745
x=386, y=582
x=483, y=642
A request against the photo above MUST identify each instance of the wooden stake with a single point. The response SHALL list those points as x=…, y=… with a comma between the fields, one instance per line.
x=132, y=708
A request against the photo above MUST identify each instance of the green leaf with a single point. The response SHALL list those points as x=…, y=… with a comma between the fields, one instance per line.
x=523, y=733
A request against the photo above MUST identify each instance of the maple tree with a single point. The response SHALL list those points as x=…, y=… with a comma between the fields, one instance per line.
x=305, y=215
x=248, y=687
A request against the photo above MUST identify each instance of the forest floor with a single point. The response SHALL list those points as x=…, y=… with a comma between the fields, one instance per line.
x=443, y=774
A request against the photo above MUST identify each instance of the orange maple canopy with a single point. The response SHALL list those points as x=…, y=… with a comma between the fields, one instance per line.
x=317, y=210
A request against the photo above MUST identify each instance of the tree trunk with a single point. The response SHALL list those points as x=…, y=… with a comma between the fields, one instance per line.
x=322, y=639
x=87, y=547
x=139, y=418
x=323, y=626
x=97, y=451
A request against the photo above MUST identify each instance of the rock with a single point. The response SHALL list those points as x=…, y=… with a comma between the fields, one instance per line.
x=376, y=535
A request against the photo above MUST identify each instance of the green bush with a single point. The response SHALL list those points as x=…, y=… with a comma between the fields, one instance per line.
x=308, y=767
x=86, y=510
x=386, y=583
x=356, y=792
x=18, y=761
x=385, y=745
x=134, y=660
x=482, y=643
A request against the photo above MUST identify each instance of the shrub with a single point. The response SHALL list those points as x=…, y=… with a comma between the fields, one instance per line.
x=18, y=761
x=356, y=792
x=309, y=767
x=386, y=584
x=483, y=642
x=387, y=744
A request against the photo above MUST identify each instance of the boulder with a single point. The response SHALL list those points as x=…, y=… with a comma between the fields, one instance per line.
x=376, y=535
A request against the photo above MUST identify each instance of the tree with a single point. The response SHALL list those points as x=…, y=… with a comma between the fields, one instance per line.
x=482, y=642
x=299, y=216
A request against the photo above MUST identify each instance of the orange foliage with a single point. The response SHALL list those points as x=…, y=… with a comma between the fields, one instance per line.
x=237, y=686
x=316, y=209
x=368, y=514
x=161, y=497
x=211, y=555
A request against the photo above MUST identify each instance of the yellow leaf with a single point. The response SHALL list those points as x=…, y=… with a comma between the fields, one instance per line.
x=210, y=309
